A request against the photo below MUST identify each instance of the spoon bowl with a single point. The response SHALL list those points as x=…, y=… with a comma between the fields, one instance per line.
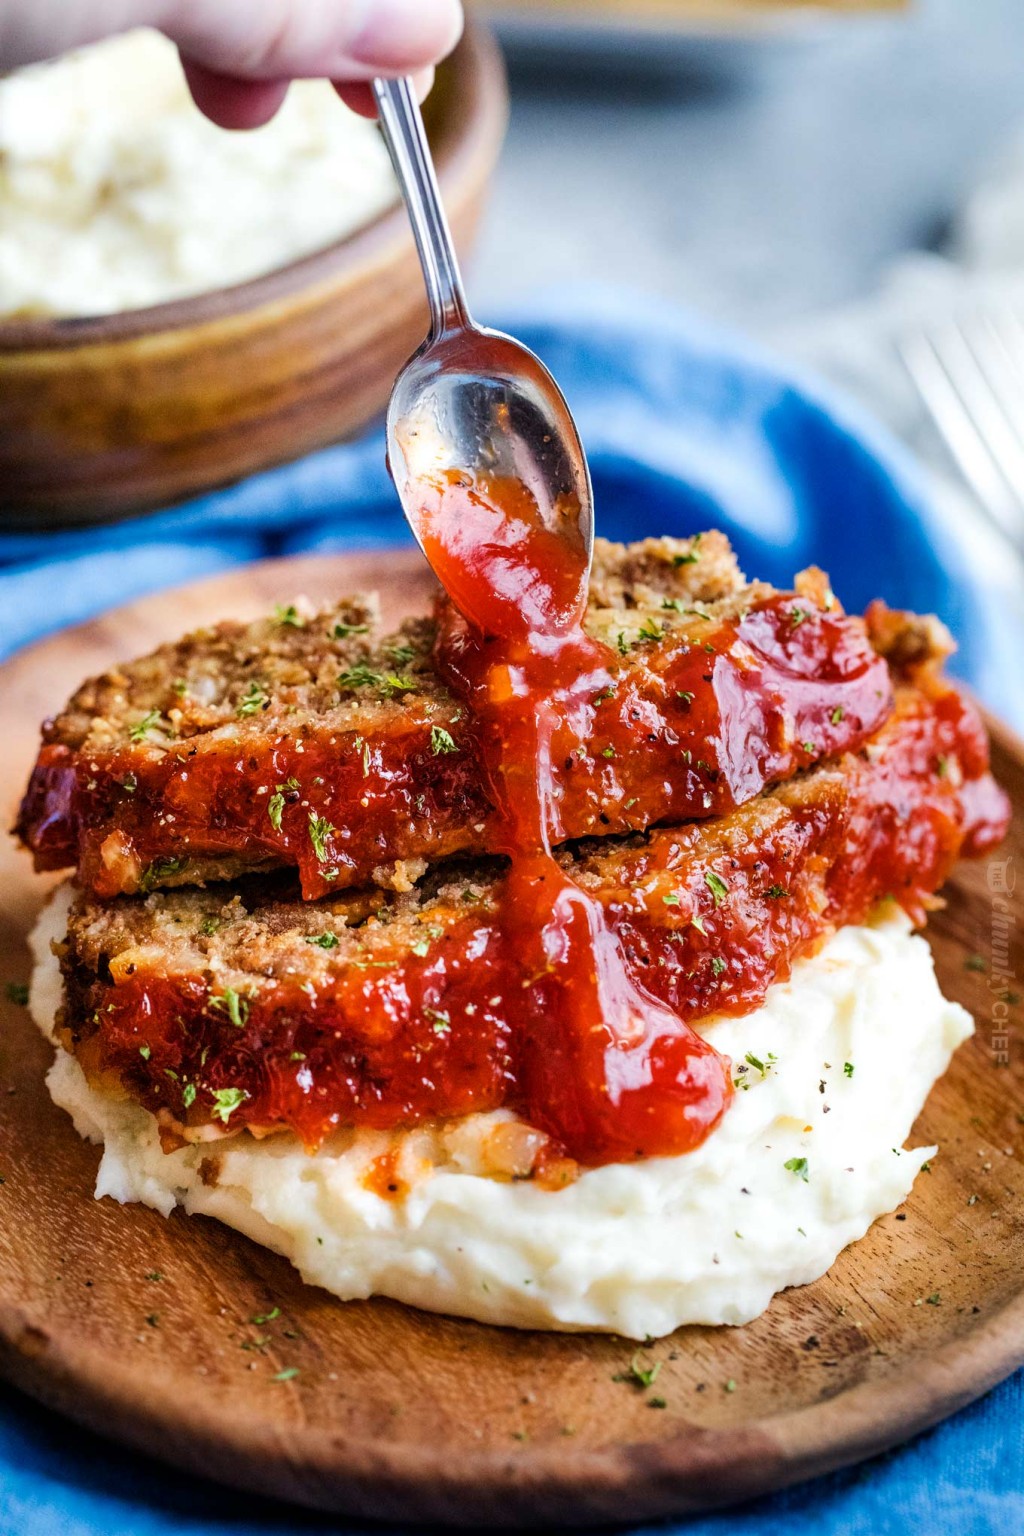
x=472, y=402
x=477, y=402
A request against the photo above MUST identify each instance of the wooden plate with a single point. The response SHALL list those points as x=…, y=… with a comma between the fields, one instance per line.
x=408, y=1416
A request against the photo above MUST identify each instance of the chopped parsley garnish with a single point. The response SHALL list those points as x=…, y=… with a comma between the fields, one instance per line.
x=129, y=783
x=325, y=940
x=342, y=631
x=158, y=871
x=622, y=643
x=145, y=1052
x=800, y=1167
x=672, y=899
x=359, y=676
x=286, y=1375
x=730, y=1385
x=656, y=1402
x=847, y=1068
x=400, y=654
x=692, y=555
x=809, y=748
x=394, y=684
x=253, y=700
x=141, y=729
x=362, y=676
x=226, y=1101
x=605, y=694
x=698, y=923
x=776, y=892
x=265, y=1317
x=277, y=801
x=363, y=746
x=686, y=696
x=639, y=1375
x=209, y=925
x=755, y=1061
x=440, y=1022
x=837, y=714
x=975, y=963
x=180, y=687
x=717, y=886
x=236, y=1007
x=717, y=965
x=441, y=741
x=17, y=992
x=798, y=615
x=608, y=752
x=320, y=830
x=188, y=1095
x=288, y=617
x=650, y=629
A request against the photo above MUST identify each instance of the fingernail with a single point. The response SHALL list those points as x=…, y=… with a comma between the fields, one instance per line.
x=407, y=34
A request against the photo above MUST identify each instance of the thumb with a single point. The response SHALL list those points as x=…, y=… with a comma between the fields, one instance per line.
x=278, y=40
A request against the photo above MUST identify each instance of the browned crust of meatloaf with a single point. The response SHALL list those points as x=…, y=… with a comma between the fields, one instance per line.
x=208, y=679
x=166, y=771
x=259, y=927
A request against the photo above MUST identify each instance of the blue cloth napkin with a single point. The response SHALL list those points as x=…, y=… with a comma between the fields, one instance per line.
x=685, y=428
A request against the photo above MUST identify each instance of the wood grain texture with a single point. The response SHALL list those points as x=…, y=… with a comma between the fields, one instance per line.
x=122, y=413
x=408, y=1416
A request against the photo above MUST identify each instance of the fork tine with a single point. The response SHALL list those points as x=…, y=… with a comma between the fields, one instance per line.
x=997, y=368
x=1011, y=328
x=1008, y=365
x=969, y=368
x=972, y=420
x=958, y=430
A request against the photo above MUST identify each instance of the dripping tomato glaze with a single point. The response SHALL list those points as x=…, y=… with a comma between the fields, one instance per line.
x=604, y=1066
x=535, y=999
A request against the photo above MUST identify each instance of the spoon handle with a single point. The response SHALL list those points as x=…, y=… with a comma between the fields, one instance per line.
x=406, y=138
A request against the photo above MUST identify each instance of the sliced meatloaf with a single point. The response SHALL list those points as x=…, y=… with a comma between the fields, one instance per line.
x=244, y=1006
x=312, y=741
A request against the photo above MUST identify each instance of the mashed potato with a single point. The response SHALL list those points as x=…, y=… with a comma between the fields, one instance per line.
x=832, y=1072
x=116, y=193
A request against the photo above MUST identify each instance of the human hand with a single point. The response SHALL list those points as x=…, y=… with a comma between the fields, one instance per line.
x=240, y=55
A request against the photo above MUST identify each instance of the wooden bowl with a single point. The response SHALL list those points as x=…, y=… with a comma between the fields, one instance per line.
x=121, y=413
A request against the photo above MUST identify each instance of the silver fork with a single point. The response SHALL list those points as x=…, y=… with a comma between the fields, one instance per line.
x=969, y=371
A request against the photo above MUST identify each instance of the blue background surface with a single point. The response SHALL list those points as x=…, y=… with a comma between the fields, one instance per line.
x=685, y=428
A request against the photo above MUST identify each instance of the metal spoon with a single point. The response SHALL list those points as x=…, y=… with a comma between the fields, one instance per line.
x=471, y=400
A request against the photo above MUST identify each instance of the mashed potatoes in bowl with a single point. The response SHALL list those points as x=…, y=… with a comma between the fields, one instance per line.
x=117, y=194
x=180, y=306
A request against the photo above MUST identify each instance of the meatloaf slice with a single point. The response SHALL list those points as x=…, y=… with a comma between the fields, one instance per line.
x=310, y=740
x=243, y=1006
